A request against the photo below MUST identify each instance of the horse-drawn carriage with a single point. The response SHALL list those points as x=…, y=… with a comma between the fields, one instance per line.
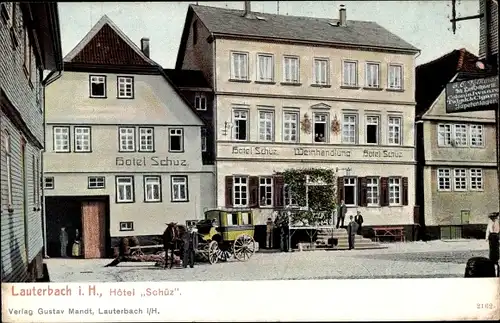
x=224, y=234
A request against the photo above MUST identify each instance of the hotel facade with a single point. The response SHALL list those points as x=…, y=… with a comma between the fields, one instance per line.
x=120, y=159
x=285, y=100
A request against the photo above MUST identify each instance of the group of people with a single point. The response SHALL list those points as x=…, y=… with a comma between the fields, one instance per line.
x=181, y=238
x=354, y=227
x=64, y=242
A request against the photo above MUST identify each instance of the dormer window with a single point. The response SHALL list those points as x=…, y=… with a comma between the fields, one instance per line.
x=97, y=86
x=200, y=101
x=125, y=86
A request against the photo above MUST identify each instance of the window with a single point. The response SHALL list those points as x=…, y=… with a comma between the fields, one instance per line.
x=97, y=86
x=266, y=191
x=82, y=139
x=372, y=75
x=48, y=183
x=127, y=226
x=240, y=118
x=394, y=191
x=395, y=75
x=444, y=179
x=290, y=127
x=8, y=163
x=176, y=140
x=200, y=101
x=394, y=129
x=476, y=135
x=350, y=73
x=61, y=139
x=95, y=182
x=460, y=135
x=349, y=129
x=444, y=135
x=240, y=191
x=372, y=191
x=289, y=197
x=460, y=179
x=203, y=140
x=291, y=69
x=350, y=191
x=320, y=127
x=476, y=179
x=125, y=87
x=127, y=139
x=321, y=71
x=124, y=189
x=239, y=66
x=179, y=188
x=146, y=139
x=152, y=189
x=266, y=125
x=372, y=131
x=265, y=68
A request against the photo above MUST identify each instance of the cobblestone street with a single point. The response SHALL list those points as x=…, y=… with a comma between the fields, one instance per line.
x=435, y=259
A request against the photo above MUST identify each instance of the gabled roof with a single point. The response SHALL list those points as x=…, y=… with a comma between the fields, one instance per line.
x=431, y=78
x=187, y=78
x=106, y=44
x=231, y=22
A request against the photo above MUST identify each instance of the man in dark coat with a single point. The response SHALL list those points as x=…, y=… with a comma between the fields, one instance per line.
x=352, y=228
x=63, y=241
x=359, y=220
x=341, y=211
x=492, y=236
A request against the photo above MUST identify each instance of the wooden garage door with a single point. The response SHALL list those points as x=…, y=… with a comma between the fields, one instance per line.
x=94, y=229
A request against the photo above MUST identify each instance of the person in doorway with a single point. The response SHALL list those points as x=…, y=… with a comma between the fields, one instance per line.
x=75, y=250
x=341, y=211
x=352, y=228
x=63, y=240
x=321, y=138
x=492, y=236
x=359, y=220
x=269, y=233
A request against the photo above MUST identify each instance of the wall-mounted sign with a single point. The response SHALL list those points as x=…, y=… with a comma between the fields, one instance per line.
x=472, y=95
x=277, y=151
x=150, y=161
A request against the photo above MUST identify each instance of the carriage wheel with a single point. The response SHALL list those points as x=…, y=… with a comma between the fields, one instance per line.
x=213, y=252
x=137, y=252
x=243, y=247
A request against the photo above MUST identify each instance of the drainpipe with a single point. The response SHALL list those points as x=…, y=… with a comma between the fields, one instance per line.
x=45, y=83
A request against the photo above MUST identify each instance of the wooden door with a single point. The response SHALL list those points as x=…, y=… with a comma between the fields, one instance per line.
x=94, y=229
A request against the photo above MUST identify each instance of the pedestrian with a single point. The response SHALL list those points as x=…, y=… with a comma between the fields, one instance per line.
x=359, y=220
x=269, y=233
x=341, y=211
x=63, y=240
x=75, y=250
x=492, y=236
x=352, y=228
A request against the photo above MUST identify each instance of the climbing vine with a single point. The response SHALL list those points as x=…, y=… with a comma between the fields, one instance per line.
x=322, y=198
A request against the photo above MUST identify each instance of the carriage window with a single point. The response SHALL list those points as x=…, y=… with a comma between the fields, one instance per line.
x=232, y=219
x=246, y=218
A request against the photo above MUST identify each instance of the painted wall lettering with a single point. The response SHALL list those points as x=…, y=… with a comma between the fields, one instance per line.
x=238, y=150
x=322, y=152
x=151, y=161
x=382, y=153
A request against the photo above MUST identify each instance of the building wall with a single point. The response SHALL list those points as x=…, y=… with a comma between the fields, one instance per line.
x=307, y=54
x=199, y=56
x=21, y=230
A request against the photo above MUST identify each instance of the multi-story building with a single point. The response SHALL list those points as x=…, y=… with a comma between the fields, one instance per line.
x=30, y=43
x=457, y=177
x=123, y=152
x=294, y=92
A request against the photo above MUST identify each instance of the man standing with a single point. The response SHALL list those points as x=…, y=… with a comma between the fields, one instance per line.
x=269, y=233
x=492, y=236
x=63, y=240
x=352, y=228
x=359, y=220
x=341, y=211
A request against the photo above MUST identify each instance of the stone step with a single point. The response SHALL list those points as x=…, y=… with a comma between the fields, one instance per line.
x=307, y=247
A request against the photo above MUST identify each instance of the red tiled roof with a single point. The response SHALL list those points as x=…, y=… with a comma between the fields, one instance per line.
x=108, y=48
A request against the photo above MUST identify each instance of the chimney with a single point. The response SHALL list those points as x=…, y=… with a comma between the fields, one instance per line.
x=145, y=46
x=248, y=9
x=342, y=16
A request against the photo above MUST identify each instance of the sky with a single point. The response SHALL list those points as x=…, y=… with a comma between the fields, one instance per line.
x=424, y=24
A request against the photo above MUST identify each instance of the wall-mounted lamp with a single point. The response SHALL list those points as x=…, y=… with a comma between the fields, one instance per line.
x=227, y=126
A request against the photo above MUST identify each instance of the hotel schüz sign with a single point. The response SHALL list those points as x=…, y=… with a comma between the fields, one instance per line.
x=315, y=152
x=150, y=161
x=472, y=95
